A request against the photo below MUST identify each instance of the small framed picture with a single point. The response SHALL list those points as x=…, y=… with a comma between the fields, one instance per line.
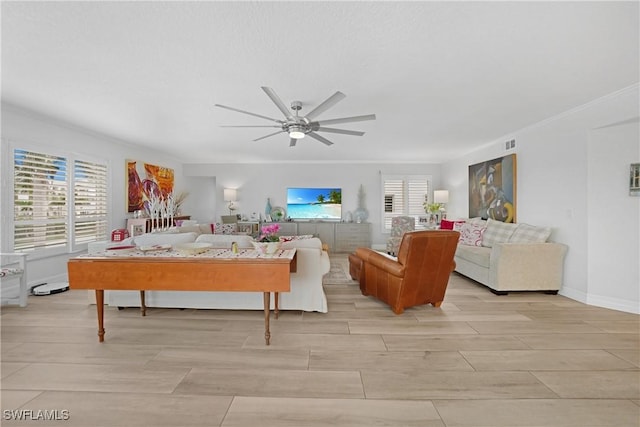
x=137, y=230
x=634, y=180
x=137, y=226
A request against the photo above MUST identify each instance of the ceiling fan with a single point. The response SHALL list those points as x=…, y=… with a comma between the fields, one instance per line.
x=296, y=126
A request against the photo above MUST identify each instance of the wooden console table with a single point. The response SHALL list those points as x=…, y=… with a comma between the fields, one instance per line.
x=210, y=271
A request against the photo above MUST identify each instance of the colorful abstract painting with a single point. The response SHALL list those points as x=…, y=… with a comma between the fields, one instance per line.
x=145, y=179
x=492, y=189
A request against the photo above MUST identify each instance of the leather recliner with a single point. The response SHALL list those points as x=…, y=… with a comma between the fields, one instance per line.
x=419, y=275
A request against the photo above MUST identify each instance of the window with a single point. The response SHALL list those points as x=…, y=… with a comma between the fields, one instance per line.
x=55, y=210
x=90, y=201
x=403, y=195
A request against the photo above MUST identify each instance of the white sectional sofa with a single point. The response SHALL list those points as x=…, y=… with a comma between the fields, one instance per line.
x=307, y=293
x=510, y=257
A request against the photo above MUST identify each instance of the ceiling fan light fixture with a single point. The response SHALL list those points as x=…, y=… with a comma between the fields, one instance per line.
x=296, y=133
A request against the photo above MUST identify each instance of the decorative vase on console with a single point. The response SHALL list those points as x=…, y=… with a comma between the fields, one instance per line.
x=361, y=214
x=267, y=209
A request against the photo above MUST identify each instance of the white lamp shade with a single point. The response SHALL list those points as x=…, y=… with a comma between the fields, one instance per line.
x=230, y=195
x=441, y=196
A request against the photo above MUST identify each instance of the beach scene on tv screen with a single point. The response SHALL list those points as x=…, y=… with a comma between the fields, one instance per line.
x=314, y=203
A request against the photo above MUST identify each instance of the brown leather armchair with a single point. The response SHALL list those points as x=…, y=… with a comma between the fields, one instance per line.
x=419, y=275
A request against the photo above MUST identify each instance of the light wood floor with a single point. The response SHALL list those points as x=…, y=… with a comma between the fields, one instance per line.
x=526, y=359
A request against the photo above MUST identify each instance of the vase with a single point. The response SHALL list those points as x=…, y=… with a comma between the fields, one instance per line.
x=267, y=248
x=267, y=209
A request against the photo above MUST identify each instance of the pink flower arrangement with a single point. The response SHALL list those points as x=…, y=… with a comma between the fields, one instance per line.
x=268, y=233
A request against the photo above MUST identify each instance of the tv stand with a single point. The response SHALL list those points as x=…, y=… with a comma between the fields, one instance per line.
x=339, y=236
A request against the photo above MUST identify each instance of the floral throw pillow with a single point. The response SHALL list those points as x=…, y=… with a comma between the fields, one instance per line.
x=224, y=228
x=471, y=234
x=292, y=238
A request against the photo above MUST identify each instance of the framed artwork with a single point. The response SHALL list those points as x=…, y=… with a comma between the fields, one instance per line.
x=144, y=180
x=137, y=226
x=492, y=189
x=250, y=228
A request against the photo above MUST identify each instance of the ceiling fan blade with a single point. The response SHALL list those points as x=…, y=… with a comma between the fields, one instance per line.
x=246, y=112
x=276, y=100
x=249, y=126
x=328, y=103
x=267, y=136
x=292, y=142
x=343, y=131
x=322, y=139
x=345, y=120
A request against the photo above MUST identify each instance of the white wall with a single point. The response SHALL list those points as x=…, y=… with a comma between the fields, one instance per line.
x=257, y=182
x=21, y=127
x=561, y=181
x=613, y=257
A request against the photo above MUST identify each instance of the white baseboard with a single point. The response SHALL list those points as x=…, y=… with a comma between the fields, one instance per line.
x=601, y=301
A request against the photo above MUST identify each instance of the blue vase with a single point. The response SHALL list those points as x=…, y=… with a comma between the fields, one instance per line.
x=267, y=208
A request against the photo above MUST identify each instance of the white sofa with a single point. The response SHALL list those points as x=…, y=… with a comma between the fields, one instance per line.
x=510, y=257
x=307, y=293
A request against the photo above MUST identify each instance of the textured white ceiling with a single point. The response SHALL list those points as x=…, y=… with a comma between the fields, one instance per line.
x=442, y=77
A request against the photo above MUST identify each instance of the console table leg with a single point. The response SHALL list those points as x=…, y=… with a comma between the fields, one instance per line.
x=276, y=310
x=100, y=307
x=267, y=310
x=143, y=307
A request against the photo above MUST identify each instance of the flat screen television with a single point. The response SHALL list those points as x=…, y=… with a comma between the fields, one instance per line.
x=314, y=203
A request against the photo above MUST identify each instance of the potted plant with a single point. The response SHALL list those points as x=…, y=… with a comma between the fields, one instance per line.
x=268, y=241
x=433, y=209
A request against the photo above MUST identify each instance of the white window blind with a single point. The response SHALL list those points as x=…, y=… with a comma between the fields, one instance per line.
x=55, y=208
x=90, y=201
x=403, y=195
x=40, y=200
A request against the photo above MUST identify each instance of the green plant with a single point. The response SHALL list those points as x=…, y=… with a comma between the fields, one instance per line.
x=431, y=207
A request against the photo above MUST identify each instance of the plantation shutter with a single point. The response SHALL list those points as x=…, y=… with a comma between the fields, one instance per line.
x=418, y=190
x=90, y=201
x=403, y=195
x=40, y=200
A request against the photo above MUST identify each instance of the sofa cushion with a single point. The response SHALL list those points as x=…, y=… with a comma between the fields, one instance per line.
x=151, y=239
x=225, y=240
x=526, y=233
x=497, y=232
x=189, y=229
x=291, y=238
x=313, y=243
x=477, y=220
x=476, y=254
x=446, y=224
x=471, y=234
x=225, y=228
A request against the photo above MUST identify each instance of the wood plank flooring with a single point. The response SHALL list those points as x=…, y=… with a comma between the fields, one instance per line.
x=525, y=359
